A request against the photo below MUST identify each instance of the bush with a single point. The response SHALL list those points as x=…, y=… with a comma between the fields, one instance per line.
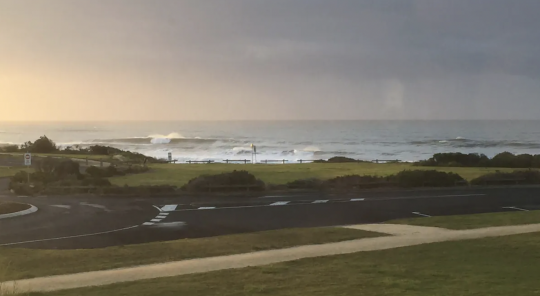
x=356, y=180
x=501, y=160
x=422, y=178
x=337, y=159
x=311, y=183
x=235, y=178
x=516, y=177
x=9, y=148
x=98, y=182
x=43, y=145
x=158, y=189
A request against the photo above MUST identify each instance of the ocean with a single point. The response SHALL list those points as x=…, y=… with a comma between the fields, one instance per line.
x=290, y=140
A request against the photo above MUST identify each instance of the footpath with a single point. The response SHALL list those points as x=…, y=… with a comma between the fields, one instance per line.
x=402, y=236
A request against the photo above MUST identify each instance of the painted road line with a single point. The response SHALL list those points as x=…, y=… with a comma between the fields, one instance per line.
x=67, y=237
x=169, y=208
x=163, y=214
x=420, y=214
x=280, y=203
x=156, y=220
x=161, y=217
x=61, y=206
x=357, y=199
x=207, y=208
x=321, y=201
x=516, y=208
x=147, y=223
x=158, y=208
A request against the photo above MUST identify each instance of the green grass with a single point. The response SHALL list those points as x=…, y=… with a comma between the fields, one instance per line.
x=475, y=221
x=10, y=171
x=76, y=156
x=27, y=263
x=180, y=174
x=493, y=266
x=12, y=207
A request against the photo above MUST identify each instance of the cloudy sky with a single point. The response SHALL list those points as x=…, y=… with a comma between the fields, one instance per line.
x=269, y=59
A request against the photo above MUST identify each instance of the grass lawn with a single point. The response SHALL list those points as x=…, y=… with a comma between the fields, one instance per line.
x=180, y=174
x=475, y=221
x=10, y=171
x=492, y=266
x=77, y=156
x=28, y=263
x=12, y=207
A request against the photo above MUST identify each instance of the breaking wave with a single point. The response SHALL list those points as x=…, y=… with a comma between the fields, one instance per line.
x=468, y=143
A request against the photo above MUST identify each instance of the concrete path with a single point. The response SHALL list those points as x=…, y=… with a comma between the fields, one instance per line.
x=407, y=236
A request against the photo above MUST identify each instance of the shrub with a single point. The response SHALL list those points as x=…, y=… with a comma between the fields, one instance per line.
x=9, y=148
x=98, y=182
x=499, y=178
x=356, y=180
x=456, y=159
x=421, y=178
x=337, y=159
x=235, y=178
x=43, y=145
x=311, y=183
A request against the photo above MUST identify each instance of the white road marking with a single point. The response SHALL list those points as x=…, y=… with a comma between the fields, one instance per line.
x=320, y=201
x=62, y=206
x=161, y=217
x=207, y=208
x=515, y=208
x=156, y=220
x=95, y=206
x=171, y=224
x=67, y=237
x=357, y=199
x=163, y=214
x=274, y=196
x=280, y=203
x=158, y=208
x=147, y=223
x=420, y=214
x=169, y=208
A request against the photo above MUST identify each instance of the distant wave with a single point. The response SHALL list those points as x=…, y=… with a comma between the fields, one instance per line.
x=468, y=143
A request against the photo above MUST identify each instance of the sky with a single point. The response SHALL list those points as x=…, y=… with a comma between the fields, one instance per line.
x=63, y=60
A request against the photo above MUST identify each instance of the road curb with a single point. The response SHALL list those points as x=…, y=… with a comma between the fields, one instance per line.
x=31, y=210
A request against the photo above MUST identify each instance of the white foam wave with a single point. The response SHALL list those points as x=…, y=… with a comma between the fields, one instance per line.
x=164, y=139
x=311, y=149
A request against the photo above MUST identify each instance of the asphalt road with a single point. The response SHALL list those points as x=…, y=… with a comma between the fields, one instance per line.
x=94, y=222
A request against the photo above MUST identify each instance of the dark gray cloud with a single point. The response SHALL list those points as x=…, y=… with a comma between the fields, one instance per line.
x=303, y=59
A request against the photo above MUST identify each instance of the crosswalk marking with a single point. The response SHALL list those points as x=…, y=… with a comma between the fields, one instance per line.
x=169, y=208
x=207, y=208
x=280, y=203
x=320, y=201
x=357, y=199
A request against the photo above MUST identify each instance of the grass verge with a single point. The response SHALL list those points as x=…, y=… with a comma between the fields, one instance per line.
x=180, y=174
x=10, y=171
x=475, y=221
x=26, y=263
x=493, y=266
x=12, y=207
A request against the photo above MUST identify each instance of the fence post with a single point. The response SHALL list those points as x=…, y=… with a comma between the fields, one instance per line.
x=300, y=161
x=284, y=161
x=245, y=161
x=376, y=161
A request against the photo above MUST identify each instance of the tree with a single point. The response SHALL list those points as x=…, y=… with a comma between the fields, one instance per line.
x=43, y=145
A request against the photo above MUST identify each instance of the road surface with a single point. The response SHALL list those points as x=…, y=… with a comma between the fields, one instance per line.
x=71, y=222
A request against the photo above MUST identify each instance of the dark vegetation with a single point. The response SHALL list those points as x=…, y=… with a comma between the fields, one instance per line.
x=501, y=160
x=338, y=159
x=233, y=181
x=61, y=176
x=517, y=177
x=417, y=178
x=46, y=145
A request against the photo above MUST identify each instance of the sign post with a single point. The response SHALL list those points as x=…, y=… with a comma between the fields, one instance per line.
x=28, y=162
x=170, y=157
